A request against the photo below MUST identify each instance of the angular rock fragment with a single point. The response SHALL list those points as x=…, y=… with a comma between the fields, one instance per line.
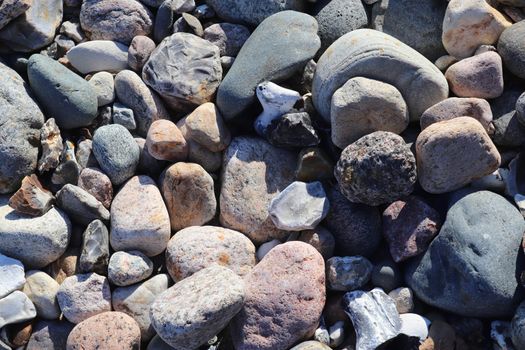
x=32, y=199
x=94, y=255
x=52, y=147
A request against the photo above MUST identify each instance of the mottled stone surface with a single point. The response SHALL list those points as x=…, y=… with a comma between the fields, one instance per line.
x=11, y=275
x=166, y=142
x=126, y=268
x=345, y=273
x=31, y=199
x=292, y=130
x=94, y=255
x=51, y=142
x=11, y=9
x=124, y=116
x=98, y=184
x=80, y=205
x=42, y=290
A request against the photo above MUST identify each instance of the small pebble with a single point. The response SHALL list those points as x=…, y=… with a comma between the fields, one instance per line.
x=11, y=275
x=104, y=86
x=126, y=268
x=94, y=255
x=124, y=116
x=348, y=273
x=42, y=290
x=404, y=298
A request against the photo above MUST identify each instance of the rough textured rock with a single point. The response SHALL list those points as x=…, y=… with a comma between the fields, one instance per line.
x=452, y=153
x=49, y=334
x=51, y=142
x=467, y=254
x=292, y=130
x=228, y=37
x=42, y=290
x=185, y=70
x=31, y=199
x=108, y=330
x=253, y=173
x=80, y=205
x=278, y=48
x=98, y=184
x=11, y=9
x=212, y=245
x=118, y=20
x=15, y=308
x=512, y=49
x=205, y=126
x=139, y=51
x=285, y=295
x=11, y=275
x=194, y=310
x=124, y=116
x=139, y=218
x=379, y=56
x=126, y=268
x=348, y=272
x=94, y=255
x=166, y=142
x=36, y=242
x=63, y=94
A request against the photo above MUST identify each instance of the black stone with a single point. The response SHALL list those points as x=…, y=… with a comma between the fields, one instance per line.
x=293, y=130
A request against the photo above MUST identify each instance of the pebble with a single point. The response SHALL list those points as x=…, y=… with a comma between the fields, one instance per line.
x=163, y=26
x=214, y=246
x=148, y=165
x=362, y=106
x=116, y=151
x=11, y=275
x=195, y=309
x=285, y=295
x=49, y=335
x=404, y=299
x=520, y=109
x=293, y=130
x=206, y=126
x=386, y=275
x=183, y=85
x=313, y=164
x=82, y=296
x=99, y=55
x=31, y=198
x=104, y=86
x=35, y=241
x=126, y=268
x=139, y=51
x=71, y=100
x=452, y=153
x=81, y=206
x=483, y=283
x=414, y=325
x=51, y=142
x=193, y=23
x=166, y=142
x=124, y=116
x=139, y=218
x=98, y=184
x=84, y=154
x=116, y=20
x=12, y=9
x=94, y=255
x=42, y=290
x=441, y=336
x=321, y=239
x=508, y=131
x=517, y=327
x=72, y=30
x=266, y=247
x=300, y=206
x=444, y=62
x=16, y=308
x=311, y=345
x=108, y=330
x=279, y=47
x=512, y=50
x=228, y=37
x=347, y=272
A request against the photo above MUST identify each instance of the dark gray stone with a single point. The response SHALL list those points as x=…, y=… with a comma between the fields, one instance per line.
x=163, y=21
x=278, y=48
x=84, y=154
x=386, y=275
x=228, y=37
x=511, y=47
x=293, y=130
x=508, y=131
x=346, y=273
x=520, y=109
x=94, y=255
x=81, y=206
x=471, y=267
x=49, y=335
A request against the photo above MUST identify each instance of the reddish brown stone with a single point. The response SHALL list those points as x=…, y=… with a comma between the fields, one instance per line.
x=31, y=199
x=98, y=184
x=166, y=142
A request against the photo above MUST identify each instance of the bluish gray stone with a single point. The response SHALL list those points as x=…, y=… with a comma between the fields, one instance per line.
x=227, y=36
x=164, y=18
x=65, y=96
x=346, y=273
x=279, y=47
x=124, y=116
x=470, y=268
x=511, y=47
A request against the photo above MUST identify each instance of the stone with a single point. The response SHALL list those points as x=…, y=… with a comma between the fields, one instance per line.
x=444, y=62
x=164, y=18
x=376, y=169
x=11, y=275
x=517, y=327
x=520, y=109
x=148, y=165
x=99, y=55
x=193, y=23
x=228, y=37
x=210, y=161
x=285, y=295
x=81, y=206
x=313, y=165
x=49, y=335
x=35, y=241
x=65, y=266
x=124, y=116
x=35, y=28
x=253, y=173
x=139, y=51
x=98, y=184
x=135, y=301
x=414, y=325
x=11, y=9
x=300, y=206
x=409, y=225
x=116, y=151
x=32, y=199
x=441, y=336
x=189, y=194
x=404, y=299
x=126, y=268
x=483, y=284
x=311, y=345
x=195, y=309
x=21, y=120
x=16, y=308
x=42, y=290
x=94, y=256
x=379, y=56
x=84, y=154
x=68, y=171
x=292, y=130
x=321, y=239
x=108, y=330
x=346, y=273
x=362, y=106
x=51, y=142
x=214, y=246
x=374, y=317
x=452, y=153
x=278, y=48
x=512, y=50
x=508, y=131
x=66, y=96
x=266, y=247
x=500, y=334
x=386, y=275
x=206, y=126
x=147, y=106
x=183, y=85
x=99, y=20
x=83, y=296
x=72, y=30
x=469, y=24
x=104, y=86
x=478, y=76
x=139, y=218
x=418, y=24
x=166, y=142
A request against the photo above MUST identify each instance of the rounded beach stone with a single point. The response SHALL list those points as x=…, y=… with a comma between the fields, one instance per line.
x=512, y=49
x=467, y=254
x=386, y=275
x=116, y=152
x=35, y=241
x=206, y=126
x=99, y=55
x=42, y=290
x=139, y=51
x=98, y=184
x=348, y=273
x=84, y=295
x=49, y=335
x=139, y=218
x=166, y=142
x=16, y=308
x=452, y=153
x=195, y=248
x=127, y=268
x=285, y=296
x=228, y=37
x=311, y=345
x=81, y=206
x=108, y=330
x=118, y=20
x=104, y=86
x=195, y=309
x=376, y=169
x=362, y=106
x=11, y=275
x=321, y=239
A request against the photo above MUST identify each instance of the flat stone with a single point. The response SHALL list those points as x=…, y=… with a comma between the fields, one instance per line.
x=32, y=199
x=321, y=239
x=126, y=268
x=94, y=255
x=139, y=51
x=195, y=309
x=11, y=9
x=16, y=308
x=206, y=126
x=81, y=206
x=124, y=116
x=98, y=184
x=51, y=142
x=293, y=130
x=214, y=246
x=166, y=142
x=42, y=290
x=104, y=86
x=228, y=37
x=66, y=96
x=139, y=218
x=11, y=275
x=49, y=335
x=512, y=50
x=98, y=55
x=348, y=272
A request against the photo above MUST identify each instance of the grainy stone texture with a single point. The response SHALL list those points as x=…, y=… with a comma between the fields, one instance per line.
x=16, y=308
x=139, y=51
x=42, y=290
x=31, y=199
x=166, y=142
x=126, y=268
x=11, y=275
x=228, y=37
x=285, y=295
x=11, y=9
x=51, y=142
x=348, y=272
x=292, y=130
x=194, y=310
x=98, y=184
x=99, y=55
x=49, y=335
x=195, y=248
x=94, y=254
x=80, y=205
x=321, y=239
x=512, y=49
x=205, y=126
x=311, y=345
